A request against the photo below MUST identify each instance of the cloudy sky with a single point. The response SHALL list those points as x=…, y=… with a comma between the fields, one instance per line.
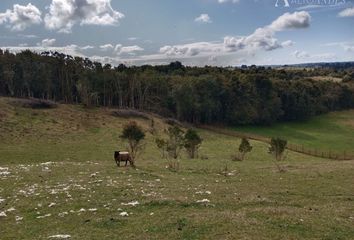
x=196, y=32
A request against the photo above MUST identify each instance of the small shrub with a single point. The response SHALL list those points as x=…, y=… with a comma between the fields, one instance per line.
x=134, y=134
x=175, y=142
x=244, y=148
x=162, y=145
x=192, y=142
x=172, y=146
x=277, y=148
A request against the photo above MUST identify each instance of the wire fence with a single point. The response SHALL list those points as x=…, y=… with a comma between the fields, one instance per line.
x=329, y=154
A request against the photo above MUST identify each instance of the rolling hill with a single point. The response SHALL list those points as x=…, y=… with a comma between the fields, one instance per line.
x=58, y=179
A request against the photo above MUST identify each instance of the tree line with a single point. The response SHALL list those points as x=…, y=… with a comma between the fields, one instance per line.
x=199, y=95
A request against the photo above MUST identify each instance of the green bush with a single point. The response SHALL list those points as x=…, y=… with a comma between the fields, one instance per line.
x=244, y=148
x=192, y=142
x=277, y=148
x=134, y=134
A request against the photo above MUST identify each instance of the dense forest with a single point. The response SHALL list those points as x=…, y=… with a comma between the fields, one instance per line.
x=246, y=95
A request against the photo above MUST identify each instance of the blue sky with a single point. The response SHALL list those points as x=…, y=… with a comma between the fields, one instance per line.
x=196, y=32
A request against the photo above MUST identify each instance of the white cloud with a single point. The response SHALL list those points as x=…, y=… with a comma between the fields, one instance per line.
x=191, y=49
x=314, y=57
x=47, y=42
x=260, y=39
x=119, y=49
x=288, y=43
x=106, y=47
x=64, y=14
x=225, y=1
x=203, y=18
x=230, y=50
x=301, y=54
x=21, y=17
x=349, y=12
x=289, y=21
x=87, y=47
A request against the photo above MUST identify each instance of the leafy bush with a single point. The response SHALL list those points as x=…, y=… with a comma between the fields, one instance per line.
x=277, y=148
x=162, y=145
x=244, y=148
x=134, y=134
x=192, y=142
x=175, y=142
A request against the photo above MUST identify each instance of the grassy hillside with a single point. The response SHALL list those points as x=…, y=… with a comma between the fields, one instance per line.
x=57, y=176
x=333, y=131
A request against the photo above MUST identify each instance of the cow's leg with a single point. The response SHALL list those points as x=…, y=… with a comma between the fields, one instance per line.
x=126, y=162
x=118, y=163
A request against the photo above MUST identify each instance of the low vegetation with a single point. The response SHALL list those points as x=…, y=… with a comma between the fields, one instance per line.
x=192, y=143
x=277, y=148
x=134, y=135
x=244, y=148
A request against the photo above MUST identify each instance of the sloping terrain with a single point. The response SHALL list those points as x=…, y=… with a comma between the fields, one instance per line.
x=58, y=179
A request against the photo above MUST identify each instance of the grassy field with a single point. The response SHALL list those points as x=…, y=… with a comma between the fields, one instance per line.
x=58, y=177
x=333, y=131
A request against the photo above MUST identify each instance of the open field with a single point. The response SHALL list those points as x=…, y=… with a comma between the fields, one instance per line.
x=57, y=176
x=333, y=131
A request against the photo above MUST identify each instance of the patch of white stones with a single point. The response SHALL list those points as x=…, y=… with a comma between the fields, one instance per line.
x=4, y=171
x=201, y=192
x=133, y=203
x=60, y=236
x=124, y=214
x=88, y=184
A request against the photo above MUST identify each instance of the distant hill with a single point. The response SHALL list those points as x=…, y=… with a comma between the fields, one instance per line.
x=329, y=65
